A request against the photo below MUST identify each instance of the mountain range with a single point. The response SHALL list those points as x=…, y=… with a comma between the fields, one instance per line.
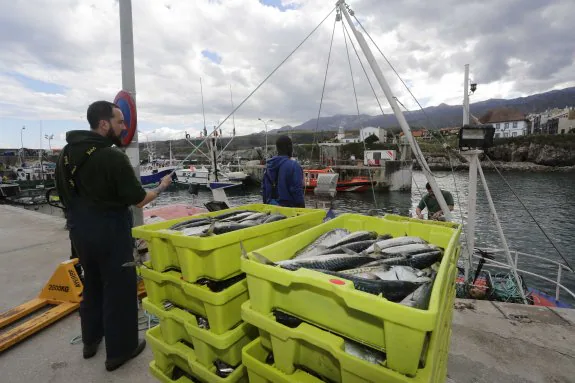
x=443, y=115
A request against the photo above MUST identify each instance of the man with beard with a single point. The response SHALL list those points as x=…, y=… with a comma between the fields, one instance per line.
x=97, y=185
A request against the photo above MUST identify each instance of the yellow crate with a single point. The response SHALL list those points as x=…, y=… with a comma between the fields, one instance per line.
x=324, y=353
x=335, y=305
x=177, y=325
x=254, y=356
x=166, y=357
x=218, y=257
x=221, y=309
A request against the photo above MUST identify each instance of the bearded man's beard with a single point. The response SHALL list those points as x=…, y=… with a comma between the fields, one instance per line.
x=115, y=139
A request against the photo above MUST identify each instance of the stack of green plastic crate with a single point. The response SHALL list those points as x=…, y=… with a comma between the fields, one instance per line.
x=195, y=287
x=337, y=333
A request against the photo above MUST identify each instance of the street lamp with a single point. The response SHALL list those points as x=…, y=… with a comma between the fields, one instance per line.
x=21, y=138
x=266, y=125
x=49, y=137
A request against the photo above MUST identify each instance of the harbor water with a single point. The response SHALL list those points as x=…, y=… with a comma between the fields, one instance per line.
x=548, y=197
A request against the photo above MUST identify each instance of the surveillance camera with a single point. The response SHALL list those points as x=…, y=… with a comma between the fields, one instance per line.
x=473, y=87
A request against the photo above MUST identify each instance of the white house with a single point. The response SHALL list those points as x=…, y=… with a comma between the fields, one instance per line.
x=341, y=137
x=507, y=122
x=380, y=133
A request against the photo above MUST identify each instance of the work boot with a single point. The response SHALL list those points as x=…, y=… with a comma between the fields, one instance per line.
x=91, y=349
x=112, y=364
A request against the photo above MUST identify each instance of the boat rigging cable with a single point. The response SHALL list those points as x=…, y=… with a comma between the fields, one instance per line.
x=323, y=89
x=234, y=125
x=190, y=141
x=420, y=107
x=346, y=11
x=531, y=215
x=253, y=91
x=357, y=103
x=346, y=32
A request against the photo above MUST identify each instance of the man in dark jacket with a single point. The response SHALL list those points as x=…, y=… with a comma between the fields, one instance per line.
x=97, y=185
x=283, y=178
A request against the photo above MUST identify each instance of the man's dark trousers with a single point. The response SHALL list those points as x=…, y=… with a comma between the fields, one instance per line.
x=109, y=307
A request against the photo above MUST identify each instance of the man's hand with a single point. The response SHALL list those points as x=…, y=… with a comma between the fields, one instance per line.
x=437, y=214
x=420, y=216
x=166, y=181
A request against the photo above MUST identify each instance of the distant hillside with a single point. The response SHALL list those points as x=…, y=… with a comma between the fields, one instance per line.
x=443, y=115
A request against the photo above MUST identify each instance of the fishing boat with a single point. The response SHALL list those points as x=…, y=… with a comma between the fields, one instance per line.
x=35, y=175
x=152, y=171
x=356, y=184
x=205, y=177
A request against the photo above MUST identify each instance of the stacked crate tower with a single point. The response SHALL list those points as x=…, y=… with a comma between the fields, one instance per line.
x=196, y=288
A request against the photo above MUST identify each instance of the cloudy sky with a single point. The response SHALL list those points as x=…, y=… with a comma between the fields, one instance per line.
x=57, y=56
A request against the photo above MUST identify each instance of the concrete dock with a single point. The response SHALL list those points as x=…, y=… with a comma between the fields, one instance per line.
x=491, y=342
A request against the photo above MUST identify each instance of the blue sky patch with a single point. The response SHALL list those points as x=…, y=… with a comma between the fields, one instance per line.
x=37, y=85
x=278, y=4
x=212, y=56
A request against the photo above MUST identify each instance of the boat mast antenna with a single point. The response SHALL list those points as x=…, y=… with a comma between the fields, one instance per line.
x=346, y=11
x=202, y=94
x=472, y=141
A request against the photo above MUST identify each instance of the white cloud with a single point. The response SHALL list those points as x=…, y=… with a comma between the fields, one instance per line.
x=77, y=45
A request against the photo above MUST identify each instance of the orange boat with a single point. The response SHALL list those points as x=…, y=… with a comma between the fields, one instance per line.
x=355, y=184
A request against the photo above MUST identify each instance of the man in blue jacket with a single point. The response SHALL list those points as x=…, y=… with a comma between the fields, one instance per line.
x=283, y=178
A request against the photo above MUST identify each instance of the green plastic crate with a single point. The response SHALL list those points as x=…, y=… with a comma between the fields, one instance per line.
x=177, y=325
x=166, y=357
x=221, y=309
x=324, y=353
x=218, y=257
x=254, y=356
x=335, y=305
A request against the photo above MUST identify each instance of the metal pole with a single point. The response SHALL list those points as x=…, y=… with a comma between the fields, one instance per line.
x=466, y=96
x=129, y=85
x=501, y=235
x=557, y=290
x=396, y=110
x=471, y=205
x=40, y=155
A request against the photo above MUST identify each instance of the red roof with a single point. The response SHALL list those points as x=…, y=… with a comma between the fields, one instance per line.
x=502, y=115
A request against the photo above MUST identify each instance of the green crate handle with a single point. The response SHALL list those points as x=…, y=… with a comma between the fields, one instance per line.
x=304, y=331
x=165, y=378
x=200, y=292
x=182, y=351
x=190, y=324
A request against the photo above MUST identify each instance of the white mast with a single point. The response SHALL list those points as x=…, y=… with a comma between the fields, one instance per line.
x=474, y=168
x=129, y=85
x=466, y=96
x=472, y=157
x=396, y=110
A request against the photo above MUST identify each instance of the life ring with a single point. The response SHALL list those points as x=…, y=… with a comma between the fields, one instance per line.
x=128, y=107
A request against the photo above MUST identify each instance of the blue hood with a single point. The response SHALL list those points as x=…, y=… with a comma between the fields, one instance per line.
x=289, y=176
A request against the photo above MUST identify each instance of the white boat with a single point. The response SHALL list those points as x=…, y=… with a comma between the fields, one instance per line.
x=207, y=178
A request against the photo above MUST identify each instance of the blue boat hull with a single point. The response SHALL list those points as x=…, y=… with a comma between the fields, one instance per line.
x=154, y=178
